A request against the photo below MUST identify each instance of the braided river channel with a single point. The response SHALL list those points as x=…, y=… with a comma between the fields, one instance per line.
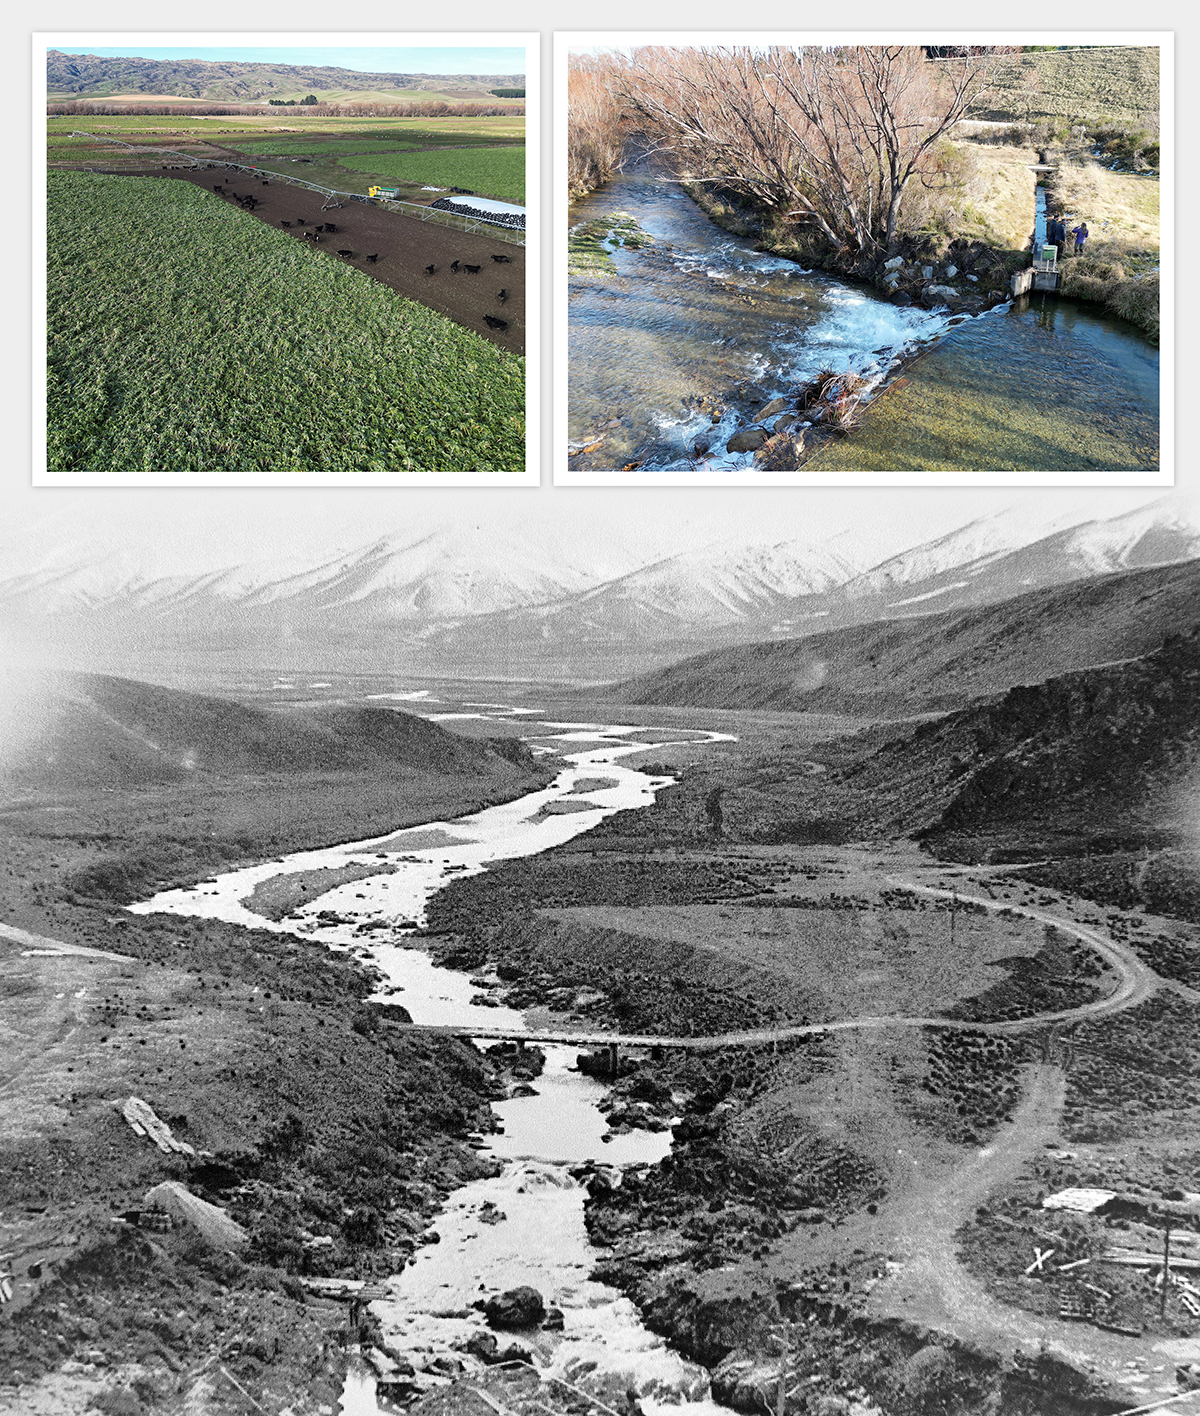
x=539, y=1238
x=699, y=317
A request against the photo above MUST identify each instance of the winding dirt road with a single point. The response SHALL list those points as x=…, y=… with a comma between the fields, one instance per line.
x=1135, y=983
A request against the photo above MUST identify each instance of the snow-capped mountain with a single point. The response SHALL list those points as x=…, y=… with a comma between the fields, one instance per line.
x=990, y=559
x=538, y=595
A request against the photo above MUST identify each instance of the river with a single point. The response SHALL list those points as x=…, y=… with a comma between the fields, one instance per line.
x=540, y=1239
x=1039, y=384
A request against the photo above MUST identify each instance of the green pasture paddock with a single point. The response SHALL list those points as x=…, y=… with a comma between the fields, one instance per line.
x=492, y=172
x=332, y=147
x=184, y=336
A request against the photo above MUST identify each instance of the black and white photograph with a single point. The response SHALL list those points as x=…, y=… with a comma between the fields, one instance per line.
x=472, y=954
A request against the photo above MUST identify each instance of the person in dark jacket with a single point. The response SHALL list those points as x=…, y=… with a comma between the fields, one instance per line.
x=1056, y=233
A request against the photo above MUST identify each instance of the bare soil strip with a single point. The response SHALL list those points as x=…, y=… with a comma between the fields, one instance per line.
x=404, y=246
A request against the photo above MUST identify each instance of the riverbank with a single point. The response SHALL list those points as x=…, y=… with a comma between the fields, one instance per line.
x=702, y=350
x=329, y=1141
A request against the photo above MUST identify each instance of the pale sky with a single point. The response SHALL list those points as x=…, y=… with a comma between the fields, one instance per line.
x=166, y=530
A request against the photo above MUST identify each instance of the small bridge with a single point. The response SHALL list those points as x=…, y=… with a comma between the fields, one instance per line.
x=1136, y=981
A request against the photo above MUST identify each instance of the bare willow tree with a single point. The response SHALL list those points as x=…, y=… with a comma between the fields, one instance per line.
x=829, y=136
x=595, y=142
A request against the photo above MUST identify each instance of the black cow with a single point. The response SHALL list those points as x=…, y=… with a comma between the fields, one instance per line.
x=473, y=270
x=454, y=267
x=502, y=296
x=330, y=227
x=373, y=258
x=502, y=260
x=345, y=253
x=493, y=323
x=288, y=224
x=430, y=269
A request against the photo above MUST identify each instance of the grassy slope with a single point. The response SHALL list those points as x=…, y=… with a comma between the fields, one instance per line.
x=1077, y=84
x=164, y=355
x=1001, y=196
x=941, y=660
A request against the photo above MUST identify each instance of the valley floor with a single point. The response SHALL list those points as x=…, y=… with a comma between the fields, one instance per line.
x=872, y=1198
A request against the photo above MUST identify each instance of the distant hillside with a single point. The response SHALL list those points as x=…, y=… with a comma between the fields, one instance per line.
x=88, y=730
x=92, y=76
x=1108, y=754
x=892, y=668
x=1079, y=85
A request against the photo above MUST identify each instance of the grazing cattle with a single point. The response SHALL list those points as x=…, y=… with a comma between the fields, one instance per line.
x=502, y=296
x=454, y=267
x=502, y=260
x=493, y=323
x=266, y=183
x=301, y=221
x=473, y=270
x=288, y=224
x=218, y=188
x=430, y=269
x=330, y=227
x=345, y=253
x=373, y=258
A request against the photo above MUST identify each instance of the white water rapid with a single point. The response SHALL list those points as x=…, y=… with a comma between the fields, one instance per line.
x=540, y=1239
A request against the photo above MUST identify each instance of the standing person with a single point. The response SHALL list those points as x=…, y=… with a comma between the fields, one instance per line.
x=1080, y=234
x=1058, y=235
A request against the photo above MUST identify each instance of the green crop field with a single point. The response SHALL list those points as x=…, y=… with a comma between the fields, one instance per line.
x=183, y=337
x=492, y=172
x=331, y=147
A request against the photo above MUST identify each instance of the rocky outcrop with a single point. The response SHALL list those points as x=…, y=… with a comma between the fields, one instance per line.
x=516, y=1308
x=208, y=1222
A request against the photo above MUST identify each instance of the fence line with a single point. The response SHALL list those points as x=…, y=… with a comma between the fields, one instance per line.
x=468, y=224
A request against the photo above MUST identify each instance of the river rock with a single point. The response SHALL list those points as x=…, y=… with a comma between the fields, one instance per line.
x=554, y=1320
x=951, y=272
x=926, y=272
x=212, y=1224
x=746, y=1383
x=789, y=420
x=902, y=297
x=974, y=279
x=768, y=410
x=894, y=264
x=747, y=440
x=940, y=293
x=517, y=1308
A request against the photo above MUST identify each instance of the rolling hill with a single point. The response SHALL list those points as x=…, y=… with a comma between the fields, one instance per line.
x=95, y=76
x=78, y=731
x=890, y=668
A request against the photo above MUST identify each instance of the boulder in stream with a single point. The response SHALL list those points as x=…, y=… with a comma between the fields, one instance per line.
x=521, y=1307
x=747, y=440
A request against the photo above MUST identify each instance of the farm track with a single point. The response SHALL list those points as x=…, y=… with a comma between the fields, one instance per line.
x=405, y=247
